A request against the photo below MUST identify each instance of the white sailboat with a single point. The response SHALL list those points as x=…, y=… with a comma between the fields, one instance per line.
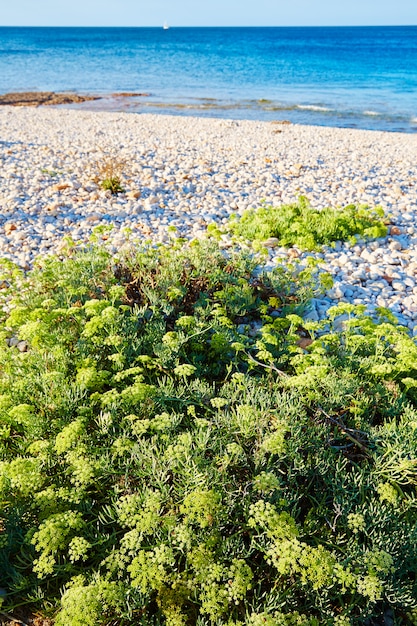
x=165, y=26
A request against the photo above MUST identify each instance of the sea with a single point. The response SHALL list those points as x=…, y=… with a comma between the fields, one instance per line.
x=355, y=77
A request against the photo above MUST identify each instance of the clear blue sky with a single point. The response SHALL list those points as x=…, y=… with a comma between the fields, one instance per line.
x=206, y=12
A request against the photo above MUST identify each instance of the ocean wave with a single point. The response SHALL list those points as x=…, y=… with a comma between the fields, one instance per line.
x=413, y=120
x=372, y=113
x=314, y=107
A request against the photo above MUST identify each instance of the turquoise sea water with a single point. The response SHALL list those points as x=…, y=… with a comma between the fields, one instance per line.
x=364, y=77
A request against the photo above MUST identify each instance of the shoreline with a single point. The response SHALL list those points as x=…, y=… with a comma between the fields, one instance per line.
x=255, y=110
x=186, y=172
x=247, y=109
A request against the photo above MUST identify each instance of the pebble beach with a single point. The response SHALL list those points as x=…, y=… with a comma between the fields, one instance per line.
x=188, y=172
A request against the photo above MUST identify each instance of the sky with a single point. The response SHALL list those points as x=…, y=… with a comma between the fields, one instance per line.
x=207, y=13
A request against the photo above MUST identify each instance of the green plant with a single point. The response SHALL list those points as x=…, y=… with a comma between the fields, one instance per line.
x=112, y=184
x=110, y=171
x=171, y=455
x=301, y=225
x=51, y=173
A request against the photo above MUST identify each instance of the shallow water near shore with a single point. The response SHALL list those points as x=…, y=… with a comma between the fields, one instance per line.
x=362, y=77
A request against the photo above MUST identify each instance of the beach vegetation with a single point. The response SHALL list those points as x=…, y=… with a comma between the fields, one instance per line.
x=112, y=184
x=109, y=173
x=51, y=173
x=178, y=447
x=308, y=228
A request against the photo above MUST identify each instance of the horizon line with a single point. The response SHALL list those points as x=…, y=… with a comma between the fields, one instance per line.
x=210, y=26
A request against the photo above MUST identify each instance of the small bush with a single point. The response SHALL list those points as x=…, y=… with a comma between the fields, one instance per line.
x=301, y=225
x=112, y=184
x=110, y=171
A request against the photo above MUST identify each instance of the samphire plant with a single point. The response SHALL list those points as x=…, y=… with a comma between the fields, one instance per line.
x=172, y=455
x=301, y=225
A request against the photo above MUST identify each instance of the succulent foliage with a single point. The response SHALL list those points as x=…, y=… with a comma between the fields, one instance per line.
x=171, y=455
x=308, y=228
